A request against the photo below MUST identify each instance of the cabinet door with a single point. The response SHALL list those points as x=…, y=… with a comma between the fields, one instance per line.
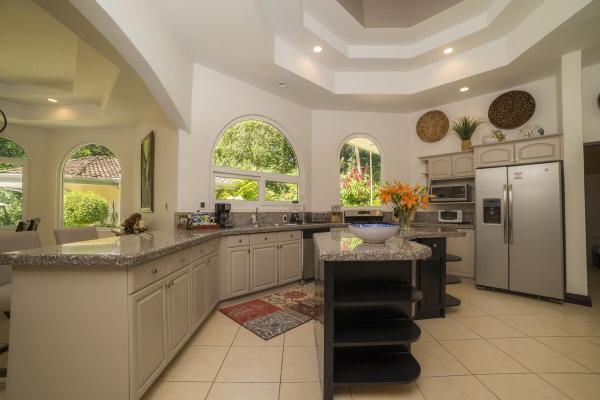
x=148, y=351
x=289, y=262
x=178, y=292
x=212, y=281
x=494, y=155
x=463, y=164
x=538, y=150
x=463, y=247
x=239, y=270
x=263, y=267
x=440, y=167
x=431, y=280
x=199, y=292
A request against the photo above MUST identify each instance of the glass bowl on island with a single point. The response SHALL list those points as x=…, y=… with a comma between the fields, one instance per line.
x=374, y=233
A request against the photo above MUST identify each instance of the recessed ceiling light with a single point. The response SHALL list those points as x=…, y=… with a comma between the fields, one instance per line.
x=448, y=50
x=317, y=49
x=464, y=89
x=52, y=100
x=282, y=84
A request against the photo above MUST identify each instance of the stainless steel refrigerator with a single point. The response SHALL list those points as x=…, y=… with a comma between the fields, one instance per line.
x=519, y=229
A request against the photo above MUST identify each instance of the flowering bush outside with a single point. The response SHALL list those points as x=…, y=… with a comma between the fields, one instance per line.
x=356, y=188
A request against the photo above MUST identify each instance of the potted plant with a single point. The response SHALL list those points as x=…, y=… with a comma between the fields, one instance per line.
x=465, y=127
x=406, y=200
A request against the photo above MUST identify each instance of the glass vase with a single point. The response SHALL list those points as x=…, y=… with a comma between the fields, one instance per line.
x=405, y=218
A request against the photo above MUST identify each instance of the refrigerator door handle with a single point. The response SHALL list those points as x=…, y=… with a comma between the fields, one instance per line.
x=505, y=207
x=510, y=214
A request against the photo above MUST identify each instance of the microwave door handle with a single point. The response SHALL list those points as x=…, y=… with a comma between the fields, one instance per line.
x=505, y=208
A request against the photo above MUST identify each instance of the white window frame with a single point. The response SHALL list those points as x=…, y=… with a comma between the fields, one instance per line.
x=24, y=162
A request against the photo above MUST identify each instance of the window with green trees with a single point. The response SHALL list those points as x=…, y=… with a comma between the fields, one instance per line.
x=360, y=173
x=12, y=169
x=254, y=161
x=91, y=187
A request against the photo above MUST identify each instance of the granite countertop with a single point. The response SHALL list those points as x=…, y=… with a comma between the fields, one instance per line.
x=344, y=246
x=131, y=250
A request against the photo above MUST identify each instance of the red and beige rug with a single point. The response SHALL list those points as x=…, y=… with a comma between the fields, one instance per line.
x=277, y=313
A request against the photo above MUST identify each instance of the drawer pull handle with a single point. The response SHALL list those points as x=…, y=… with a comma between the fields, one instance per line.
x=240, y=240
x=435, y=245
x=182, y=259
x=265, y=238
x=154, y=270
x=170, y=284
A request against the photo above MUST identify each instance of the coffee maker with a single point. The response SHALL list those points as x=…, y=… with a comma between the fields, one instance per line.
x=222, y=215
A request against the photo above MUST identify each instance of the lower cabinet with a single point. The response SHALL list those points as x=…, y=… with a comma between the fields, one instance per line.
x=212, y=281
x=199, y=292
x=464, y=247
x=263, y=266
x=290, y=266
x=239, y=271
x=178, y=298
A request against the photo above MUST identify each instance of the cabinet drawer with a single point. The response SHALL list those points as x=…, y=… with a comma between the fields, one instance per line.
x=262, y=238
x=204, y=249
x=238, y=240
x=143, y=275
x=179, y=260
x=290, y=235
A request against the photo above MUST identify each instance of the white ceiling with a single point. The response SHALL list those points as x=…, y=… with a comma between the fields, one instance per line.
x=42, y=58
x=498, y=44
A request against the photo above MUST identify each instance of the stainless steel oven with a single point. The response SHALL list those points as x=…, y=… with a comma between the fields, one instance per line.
x=450, y=216
x=450, y=192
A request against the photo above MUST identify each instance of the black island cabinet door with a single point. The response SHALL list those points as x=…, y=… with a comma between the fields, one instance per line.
x=431, y=280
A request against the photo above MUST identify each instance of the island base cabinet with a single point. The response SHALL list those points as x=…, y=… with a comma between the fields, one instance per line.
x=431, y=280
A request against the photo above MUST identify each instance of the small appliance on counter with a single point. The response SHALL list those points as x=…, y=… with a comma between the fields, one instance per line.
x=454, y=192
x=200, y=220
x=222, y=211
x=450, y=216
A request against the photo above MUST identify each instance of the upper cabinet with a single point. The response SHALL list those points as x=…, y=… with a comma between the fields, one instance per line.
x=526, y=151
x=455, y=165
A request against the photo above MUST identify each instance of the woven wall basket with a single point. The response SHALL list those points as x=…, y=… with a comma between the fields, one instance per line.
x=511, y=109
x=432, y=126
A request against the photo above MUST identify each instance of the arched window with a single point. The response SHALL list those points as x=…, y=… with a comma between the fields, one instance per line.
x=254, y=161
x=13, y=164
x=91, y=187
x=360, y=173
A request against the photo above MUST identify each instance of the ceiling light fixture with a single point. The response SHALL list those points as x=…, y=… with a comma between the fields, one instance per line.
x=282, y=84
x=317, y=49
x=464, y=89
x=52, y=100
x=448, y=50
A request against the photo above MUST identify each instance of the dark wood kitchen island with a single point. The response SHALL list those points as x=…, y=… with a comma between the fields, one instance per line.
x=367, y=296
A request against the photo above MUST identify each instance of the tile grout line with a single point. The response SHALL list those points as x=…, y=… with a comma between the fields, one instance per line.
x=221, y=366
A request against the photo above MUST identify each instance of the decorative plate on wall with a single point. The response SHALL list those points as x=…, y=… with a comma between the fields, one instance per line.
x=511, y=109
x=432, y=126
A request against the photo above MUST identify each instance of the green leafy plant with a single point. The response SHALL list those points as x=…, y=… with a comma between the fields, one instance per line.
x=466, y=126
x=84, y=208
x=10, y=207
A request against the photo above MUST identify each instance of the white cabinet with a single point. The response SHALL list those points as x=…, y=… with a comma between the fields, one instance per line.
x=495, y=155
x=290, y=268
x=463, y=247
x=212, y=281
x=148, y=351
x=178, y=298
x=463, y=164
x=239, y=270
x=440, y=167
x=448, y=166
x=263, y=266
x=538, y=150
x=199, y=292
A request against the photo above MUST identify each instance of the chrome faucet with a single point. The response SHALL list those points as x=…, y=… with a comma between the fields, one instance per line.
x=254, y=219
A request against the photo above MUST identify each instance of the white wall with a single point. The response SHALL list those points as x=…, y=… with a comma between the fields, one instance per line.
x=591, y=111
x=329, y=131
x=219, y=99
x=546, y=114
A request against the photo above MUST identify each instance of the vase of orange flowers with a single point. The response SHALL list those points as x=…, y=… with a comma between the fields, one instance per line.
x=406, y=200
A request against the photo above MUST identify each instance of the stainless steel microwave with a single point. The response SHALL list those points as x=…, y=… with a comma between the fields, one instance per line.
x=450, y=192
x=450, y=216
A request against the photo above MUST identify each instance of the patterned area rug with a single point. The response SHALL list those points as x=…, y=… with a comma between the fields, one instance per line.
x=277, y=313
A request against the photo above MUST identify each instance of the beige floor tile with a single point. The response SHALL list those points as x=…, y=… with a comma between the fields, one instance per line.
x=436, y=361
x=244, y=391
x=595, y=340
x=340, y=393
x=533, y=326
x=425, y=336
x=572, y=324
x=521, y=387
x=489, y=327
x=178, y=391
x=251, y=364
x=480, y=357
x=386, y=392
x=196, y=363
x=447, y=329
x=454, y=388
x=217, y=316
x=536, y=356
x=309, y=391
x=304, y=335
x=245, y=338
x=578, y=349
x=216, y=334
x=593, y=318
x=300, y=364
x=495, y=307
x=465, y=310
x=576, y=386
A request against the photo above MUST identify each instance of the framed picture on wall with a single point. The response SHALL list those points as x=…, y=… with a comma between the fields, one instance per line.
x=147, y=174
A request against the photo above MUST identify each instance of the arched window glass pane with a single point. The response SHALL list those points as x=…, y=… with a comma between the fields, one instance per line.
x=254, y=145
x=11, y=182
x=360, y=173
x=91, y=187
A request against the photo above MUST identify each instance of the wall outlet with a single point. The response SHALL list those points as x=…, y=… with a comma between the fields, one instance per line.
x=285, y=218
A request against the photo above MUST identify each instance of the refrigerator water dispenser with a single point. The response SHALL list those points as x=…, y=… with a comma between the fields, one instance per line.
x=491, y=211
